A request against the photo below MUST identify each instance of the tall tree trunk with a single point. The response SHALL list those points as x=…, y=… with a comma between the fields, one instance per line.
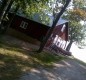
x=15, y=11
x=4, y=3
x=69, y=46
x=2, y=12
x=11, y=19
x=3, y=8
x=8, y=8
x=53, y=26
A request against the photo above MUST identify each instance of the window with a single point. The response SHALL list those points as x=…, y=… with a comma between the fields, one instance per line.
x=63, y=28
x=24, y=25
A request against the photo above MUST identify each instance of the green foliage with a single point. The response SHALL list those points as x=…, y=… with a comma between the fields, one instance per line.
x=55, y=6
x=76, y=15
x=79, y=3
x=29, y=8
x=76, y=33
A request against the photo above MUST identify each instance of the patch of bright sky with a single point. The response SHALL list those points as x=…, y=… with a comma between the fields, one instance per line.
x=82, y=22
x=70, y=6
x=78, y=53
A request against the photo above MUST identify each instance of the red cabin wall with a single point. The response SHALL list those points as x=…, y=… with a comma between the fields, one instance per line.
x=34, y=29
x=57, y=31
x=37, y=30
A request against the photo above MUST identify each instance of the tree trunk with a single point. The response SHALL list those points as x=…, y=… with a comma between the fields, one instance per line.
x=15, y=11
x=53, y=26
x=3, y=8
x=2, y=12
x=8, y=8
x=69, y=46
x=11, y=19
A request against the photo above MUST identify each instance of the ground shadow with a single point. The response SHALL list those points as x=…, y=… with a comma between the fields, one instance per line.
x=68, y=69
x=15, y=60
x=30, y=65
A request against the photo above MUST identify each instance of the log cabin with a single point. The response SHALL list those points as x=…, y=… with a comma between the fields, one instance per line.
x=36, y=31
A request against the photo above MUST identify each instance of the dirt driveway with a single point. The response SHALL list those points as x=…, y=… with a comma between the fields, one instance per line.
x=68, y=69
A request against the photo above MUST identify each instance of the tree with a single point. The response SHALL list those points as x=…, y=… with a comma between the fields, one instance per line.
x=3, y=8
x=8, y=8
x=53, y=26
x=76, y=33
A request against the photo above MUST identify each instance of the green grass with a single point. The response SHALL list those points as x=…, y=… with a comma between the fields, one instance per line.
x=14, y=60
x=45, y=58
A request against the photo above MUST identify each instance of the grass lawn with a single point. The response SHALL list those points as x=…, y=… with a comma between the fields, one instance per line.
x=14, y=61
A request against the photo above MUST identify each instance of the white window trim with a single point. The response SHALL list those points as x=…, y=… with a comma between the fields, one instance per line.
x=24, y=25
x=63, y=28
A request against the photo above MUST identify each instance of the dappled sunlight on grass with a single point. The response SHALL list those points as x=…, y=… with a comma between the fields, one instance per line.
x=13, y=63
x=15, y=60
x=45, y=58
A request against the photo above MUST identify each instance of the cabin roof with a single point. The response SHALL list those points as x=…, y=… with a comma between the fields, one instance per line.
x=61, y=20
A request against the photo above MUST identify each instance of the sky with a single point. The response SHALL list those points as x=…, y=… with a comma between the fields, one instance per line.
x=78, y=53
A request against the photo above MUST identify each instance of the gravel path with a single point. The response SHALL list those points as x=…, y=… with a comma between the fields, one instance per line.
x=68, y=69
